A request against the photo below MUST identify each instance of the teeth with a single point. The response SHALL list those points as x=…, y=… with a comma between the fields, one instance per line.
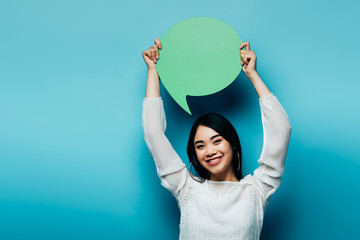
x=214, y=160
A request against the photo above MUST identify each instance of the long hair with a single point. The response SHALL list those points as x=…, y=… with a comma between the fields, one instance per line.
x=221, y=125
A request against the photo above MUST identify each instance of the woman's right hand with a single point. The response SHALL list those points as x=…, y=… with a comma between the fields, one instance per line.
x=151, y=55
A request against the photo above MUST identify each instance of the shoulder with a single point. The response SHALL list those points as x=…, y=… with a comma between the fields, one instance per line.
x=247, y=179
x=251, y=181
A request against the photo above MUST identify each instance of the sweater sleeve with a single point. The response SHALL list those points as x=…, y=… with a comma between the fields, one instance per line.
x=276, y=130
x=170, y=169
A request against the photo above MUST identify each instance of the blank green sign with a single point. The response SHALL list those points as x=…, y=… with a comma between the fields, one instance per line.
x=199, y=56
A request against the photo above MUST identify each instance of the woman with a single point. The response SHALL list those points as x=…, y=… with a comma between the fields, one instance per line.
x=219, y=204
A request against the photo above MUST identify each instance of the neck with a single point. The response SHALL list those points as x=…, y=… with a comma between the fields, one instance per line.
x=230, y=177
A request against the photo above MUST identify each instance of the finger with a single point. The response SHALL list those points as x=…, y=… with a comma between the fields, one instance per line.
x=244, y=56
x=150, y=55
x=246, y=45
x=147, y=53
x=153, y=53
x=246, y=53
x=157, y=42
x=156, y=51
x=247, y=56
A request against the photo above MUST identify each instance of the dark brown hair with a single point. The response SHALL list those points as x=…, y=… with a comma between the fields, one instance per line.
x=221, y=125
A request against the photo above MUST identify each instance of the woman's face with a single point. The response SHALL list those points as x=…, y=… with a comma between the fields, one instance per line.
x=214, y=154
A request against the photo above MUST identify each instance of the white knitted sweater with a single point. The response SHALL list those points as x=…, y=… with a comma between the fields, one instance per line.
x=220, y=210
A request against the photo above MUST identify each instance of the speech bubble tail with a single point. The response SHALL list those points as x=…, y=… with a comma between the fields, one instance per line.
x=183, y=103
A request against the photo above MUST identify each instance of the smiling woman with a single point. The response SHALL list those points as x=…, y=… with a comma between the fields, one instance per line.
x=222, y=204
x=214, y=149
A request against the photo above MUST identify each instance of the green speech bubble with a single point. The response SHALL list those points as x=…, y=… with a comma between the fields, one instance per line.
x=199, y=56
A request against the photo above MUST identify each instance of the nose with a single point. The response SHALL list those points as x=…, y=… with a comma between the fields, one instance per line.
x=210, y=151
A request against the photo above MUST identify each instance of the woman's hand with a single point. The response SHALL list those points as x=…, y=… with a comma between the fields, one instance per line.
x=151, y=55
x=248, y=59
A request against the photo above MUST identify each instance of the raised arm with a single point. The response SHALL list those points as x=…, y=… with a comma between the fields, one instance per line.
x=248, y=61
x=276, y=129
x=171, y=170
x=151, y=56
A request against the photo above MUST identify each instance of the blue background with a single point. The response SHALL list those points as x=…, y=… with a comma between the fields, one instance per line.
x=73, y=163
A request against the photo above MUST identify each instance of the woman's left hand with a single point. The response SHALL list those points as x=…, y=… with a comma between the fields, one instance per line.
x=248, y=59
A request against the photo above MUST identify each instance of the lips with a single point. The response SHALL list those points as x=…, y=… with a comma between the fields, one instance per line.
x=214, y=161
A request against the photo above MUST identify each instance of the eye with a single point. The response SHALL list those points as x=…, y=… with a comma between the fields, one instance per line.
x=199, y=146
x=217, y=141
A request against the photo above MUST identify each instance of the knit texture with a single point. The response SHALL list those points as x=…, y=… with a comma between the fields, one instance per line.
x=220, y=210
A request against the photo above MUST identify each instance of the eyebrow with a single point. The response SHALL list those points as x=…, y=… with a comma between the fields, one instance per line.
x=201, y=141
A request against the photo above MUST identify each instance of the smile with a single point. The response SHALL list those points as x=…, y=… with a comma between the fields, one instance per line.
x=214, y=161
